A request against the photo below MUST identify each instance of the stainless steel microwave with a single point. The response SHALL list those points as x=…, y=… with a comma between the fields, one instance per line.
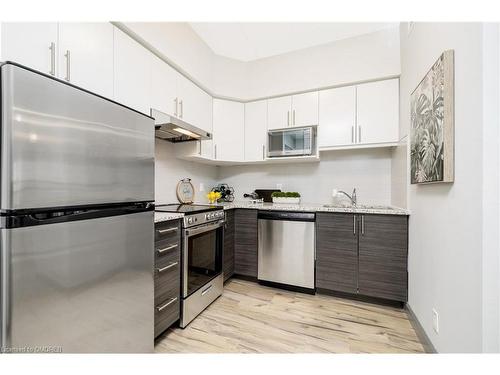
x=291, y=142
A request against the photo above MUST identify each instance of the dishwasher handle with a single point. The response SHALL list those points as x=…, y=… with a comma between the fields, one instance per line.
x=286, y=215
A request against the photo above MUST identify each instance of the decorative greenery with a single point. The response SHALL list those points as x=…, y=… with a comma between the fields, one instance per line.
x=285, y=194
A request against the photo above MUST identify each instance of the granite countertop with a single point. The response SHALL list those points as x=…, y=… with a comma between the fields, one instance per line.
x=305, y=207
x=166, y=216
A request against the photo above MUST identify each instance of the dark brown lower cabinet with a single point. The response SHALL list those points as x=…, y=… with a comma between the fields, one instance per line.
x=362, y=254
x=383, y=255
x=245, y=242
x=336, y=252
x=167, y=274
x=228, y=256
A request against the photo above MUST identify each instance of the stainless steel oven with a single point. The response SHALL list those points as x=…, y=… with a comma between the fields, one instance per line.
x=202, y=279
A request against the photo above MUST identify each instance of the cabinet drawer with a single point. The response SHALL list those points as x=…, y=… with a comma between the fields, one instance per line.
x=166, y=248
x=167, y=281
x=167, y=230
x=166, y=313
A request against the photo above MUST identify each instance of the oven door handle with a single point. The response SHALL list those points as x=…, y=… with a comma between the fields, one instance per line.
x=204, y=228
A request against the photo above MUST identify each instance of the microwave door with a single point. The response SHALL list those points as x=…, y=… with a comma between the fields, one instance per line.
x=293, y=142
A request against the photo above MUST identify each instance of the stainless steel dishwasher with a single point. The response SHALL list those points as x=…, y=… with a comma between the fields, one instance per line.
x=286, y=249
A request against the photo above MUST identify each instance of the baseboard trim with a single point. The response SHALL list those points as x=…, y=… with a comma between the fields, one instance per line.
x=419, y=330
x=361, y=298
x=244, y=277
x=291, y=288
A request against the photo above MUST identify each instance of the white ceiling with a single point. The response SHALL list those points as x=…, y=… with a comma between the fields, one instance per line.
x=252, y=41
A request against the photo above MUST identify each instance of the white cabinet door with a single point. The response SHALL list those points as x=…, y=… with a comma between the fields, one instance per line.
x=193, y=104
x=337, y=117
x=86, y=56
x=206, y=116
x=279, y=112
x=32, y=44
x=132, y=73
x=229, y=124
x=163, y=86
x=378, y=112
x=255, y=130
x=304, y=109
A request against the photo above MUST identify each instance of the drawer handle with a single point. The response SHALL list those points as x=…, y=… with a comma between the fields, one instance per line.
x=206, y=290
x=161, y=251
x=168, y=230
x=172, y=300
x=167, y=267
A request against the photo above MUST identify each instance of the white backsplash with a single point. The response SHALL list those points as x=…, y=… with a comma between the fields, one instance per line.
x=368, y=170
x=169, y=170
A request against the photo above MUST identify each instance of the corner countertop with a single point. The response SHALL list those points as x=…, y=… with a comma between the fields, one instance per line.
x=167, y=216
x=305, y=207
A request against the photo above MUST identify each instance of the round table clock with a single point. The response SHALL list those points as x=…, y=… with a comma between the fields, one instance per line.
x=185, y=191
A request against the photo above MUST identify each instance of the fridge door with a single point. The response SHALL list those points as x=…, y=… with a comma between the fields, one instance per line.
x=80, y=286
x=62, y=146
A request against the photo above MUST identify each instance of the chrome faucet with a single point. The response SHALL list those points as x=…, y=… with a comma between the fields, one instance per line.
x=352, y=197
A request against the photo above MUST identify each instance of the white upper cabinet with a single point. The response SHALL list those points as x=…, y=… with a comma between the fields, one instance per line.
x=33, y=44
x=132, y=73
x=304, y=109
x=85, y=56
x=163, y=86
x=293, y=111
x=255, y=130
x=278, y=112
x=228, y=124
x=337, y=117
x=378, y=112
x=193, y=104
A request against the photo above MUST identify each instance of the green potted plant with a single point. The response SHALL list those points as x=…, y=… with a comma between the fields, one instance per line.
x=286, y=197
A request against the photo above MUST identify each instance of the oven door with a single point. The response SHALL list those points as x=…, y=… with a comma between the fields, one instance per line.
x=201, y=256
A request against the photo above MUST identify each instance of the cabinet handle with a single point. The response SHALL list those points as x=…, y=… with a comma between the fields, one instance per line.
x=354, y=224
x=263, y=152
x=52, y=49
x=172, y=300
x=181, y=104
x=215, y=151
x=68, y=65
x=352, y=134
x=363, y=224
x=167, y=267
x=168, y=230
x=176, y=103
x=293, y=117
x=359, y=135
x=288, y=118
x=161, y=251
x=199, y=152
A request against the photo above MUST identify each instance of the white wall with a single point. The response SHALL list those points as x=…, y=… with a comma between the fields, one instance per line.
x=169, y=170
x=445, y=235
x=365, y=57
x=369, y=171
x=180, y=45
x=491, y=175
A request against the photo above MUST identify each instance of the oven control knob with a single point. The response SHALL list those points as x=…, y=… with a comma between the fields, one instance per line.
x=190, y=220
x=206, y=216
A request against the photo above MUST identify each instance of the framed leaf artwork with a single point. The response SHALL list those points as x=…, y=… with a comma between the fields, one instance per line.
x=432, y=124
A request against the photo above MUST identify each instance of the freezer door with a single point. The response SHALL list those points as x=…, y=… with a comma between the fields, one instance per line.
x=62, y=146
x=81, y=286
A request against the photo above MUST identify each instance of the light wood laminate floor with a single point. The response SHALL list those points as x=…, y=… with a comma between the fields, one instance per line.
x=250, y=318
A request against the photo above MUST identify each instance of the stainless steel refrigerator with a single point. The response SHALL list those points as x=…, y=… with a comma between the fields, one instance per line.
x=77, y=186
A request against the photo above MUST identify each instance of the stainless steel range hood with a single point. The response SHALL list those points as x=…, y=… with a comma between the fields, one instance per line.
x=172, y=129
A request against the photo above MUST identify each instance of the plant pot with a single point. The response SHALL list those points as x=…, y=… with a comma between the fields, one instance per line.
x=285, y=200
